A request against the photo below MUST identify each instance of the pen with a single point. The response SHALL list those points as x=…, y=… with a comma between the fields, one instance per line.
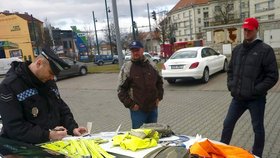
x=57, y=129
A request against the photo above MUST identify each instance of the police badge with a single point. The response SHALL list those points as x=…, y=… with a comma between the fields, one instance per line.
x=35, y=111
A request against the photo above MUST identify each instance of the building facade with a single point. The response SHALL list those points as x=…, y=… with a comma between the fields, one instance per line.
x=22, y=34
x=187, y=18
x=265, y=9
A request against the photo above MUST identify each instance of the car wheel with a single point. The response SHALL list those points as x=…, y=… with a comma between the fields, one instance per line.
x=115, y=62
x=156, y=61
x=225, y=68
x=171, y=81
x=205, y=77
x=83, y=71
x=100, y=63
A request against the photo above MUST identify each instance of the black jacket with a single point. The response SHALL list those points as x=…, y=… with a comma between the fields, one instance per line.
x=30, y=108
x=252, y=70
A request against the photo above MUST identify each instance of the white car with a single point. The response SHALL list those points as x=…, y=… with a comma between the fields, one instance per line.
x=195, y=63
x=5, y=64
x=155, y=59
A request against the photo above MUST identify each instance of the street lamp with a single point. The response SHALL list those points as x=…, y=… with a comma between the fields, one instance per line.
x=108, y=11
x=132, y=21
x=97, y=44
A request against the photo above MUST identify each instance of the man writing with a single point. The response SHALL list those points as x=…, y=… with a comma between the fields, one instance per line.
x=252, y=72
x=30, y=104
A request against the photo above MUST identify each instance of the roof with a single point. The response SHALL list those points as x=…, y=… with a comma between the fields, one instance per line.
x=25, y=16
x=187, y=3
x=193, y=48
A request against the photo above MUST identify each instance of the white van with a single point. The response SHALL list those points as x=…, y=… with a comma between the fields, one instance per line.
x=5, y=64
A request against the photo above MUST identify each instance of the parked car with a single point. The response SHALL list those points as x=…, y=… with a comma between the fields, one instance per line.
x=195, y=63
x=101, y=59
x=77, y=68
x=5, y=64
x=155, y=59
x=15, y=149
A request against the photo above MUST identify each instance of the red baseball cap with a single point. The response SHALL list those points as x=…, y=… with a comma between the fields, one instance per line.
x=250, y=24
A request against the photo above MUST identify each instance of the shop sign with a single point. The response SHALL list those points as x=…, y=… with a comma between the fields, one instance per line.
x=15, y=28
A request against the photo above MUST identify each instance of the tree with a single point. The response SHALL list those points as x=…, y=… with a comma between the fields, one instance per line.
x=125, y=37
x=224, y=11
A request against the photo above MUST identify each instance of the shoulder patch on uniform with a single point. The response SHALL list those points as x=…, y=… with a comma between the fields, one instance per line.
x=6, y=97
x=26, y=94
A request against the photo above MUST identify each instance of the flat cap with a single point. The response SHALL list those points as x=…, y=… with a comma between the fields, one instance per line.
x=56, y=63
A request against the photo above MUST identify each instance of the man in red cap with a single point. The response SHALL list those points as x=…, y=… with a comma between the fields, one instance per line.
x=252, y=72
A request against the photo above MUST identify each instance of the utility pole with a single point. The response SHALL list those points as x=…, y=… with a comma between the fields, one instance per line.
x=132, y=21
x=116, y=21
x=97, y=44
x=108, y=27
x=151, y=36
x=35, y=37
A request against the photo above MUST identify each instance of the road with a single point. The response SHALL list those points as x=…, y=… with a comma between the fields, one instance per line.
x=189, y=107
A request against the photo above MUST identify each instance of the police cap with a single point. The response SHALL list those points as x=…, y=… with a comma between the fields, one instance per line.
x=56, y=63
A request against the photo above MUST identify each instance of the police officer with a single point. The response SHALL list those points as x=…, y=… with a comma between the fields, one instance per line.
x=30, y=104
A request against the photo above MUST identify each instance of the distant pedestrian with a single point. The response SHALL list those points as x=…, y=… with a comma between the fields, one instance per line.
x=252, y=72
x=140, y=87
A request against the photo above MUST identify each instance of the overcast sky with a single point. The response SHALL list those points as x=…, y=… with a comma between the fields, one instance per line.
x=65, y=13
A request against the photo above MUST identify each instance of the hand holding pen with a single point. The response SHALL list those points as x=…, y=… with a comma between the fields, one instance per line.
x=57, y=133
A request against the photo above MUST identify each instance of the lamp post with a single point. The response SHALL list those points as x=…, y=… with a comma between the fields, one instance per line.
x=97, y=44
x=108, y=27
x=132, y=21
x=35, y=37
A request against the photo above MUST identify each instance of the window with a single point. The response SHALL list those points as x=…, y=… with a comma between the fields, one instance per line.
x=198, y=11
x=230, y=6
x=257, y=7
x=271, y=4
x=65, y=45
x=205, y=15
x=206, y=24
x=16, y=53
x=205, y=52
x=230, y=16
x=271, y=17
x=217, y=8
x=199, y=20
x=212, y=52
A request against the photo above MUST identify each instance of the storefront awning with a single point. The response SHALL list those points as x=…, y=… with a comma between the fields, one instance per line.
x=8, y=44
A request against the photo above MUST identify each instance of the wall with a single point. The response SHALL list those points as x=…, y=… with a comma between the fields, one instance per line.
x=15, y=29
x=217, y=36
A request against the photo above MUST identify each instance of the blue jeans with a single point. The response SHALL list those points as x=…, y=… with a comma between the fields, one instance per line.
x=256, y=109
x=139, y=117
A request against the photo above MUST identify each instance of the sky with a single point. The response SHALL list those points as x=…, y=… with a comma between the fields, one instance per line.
x=65, y=13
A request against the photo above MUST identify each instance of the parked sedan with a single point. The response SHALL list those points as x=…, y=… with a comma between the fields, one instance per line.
x=155, y=59
x=195, y=63
x=77, y=68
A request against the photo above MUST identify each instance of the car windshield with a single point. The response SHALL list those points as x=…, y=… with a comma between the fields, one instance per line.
x=184, y=54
